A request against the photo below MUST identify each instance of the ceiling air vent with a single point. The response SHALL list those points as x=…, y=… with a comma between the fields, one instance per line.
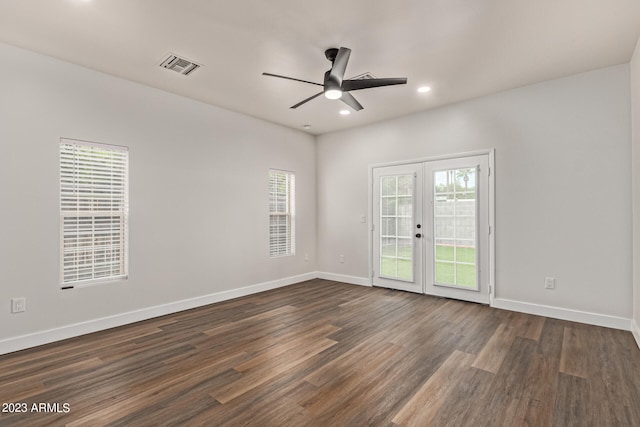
x=364, y=76
x=179, y=64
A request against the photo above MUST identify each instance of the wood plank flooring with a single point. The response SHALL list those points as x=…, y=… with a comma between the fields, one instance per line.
x=322, y=353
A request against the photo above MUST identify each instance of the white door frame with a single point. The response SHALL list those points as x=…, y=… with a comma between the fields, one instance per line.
x=491, y=193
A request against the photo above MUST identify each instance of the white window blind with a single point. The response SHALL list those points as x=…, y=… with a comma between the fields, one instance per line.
x=281, y=213
x=94, y=204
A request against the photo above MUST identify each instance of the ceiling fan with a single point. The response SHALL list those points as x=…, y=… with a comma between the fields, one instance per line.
x=335, y=86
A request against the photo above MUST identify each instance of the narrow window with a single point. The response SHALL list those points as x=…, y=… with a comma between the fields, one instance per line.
x=94, y=205
x=281, y=213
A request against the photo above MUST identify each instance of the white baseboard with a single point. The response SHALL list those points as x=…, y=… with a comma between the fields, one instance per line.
x=635, y=330
x=44, y=337
x=354, y=280
x=10, y=345
x=564, y=314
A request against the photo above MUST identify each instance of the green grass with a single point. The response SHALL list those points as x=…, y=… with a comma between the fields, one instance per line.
x=445, y=253
x=465, y=274
x=403, y=268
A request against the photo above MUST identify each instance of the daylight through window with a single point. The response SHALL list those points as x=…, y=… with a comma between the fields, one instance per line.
x=94, y=204
x=281, y=213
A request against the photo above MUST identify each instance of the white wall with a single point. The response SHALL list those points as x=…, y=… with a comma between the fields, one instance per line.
x=198, y=192
x=635, y=121
x=563, y=185
x=562, y=193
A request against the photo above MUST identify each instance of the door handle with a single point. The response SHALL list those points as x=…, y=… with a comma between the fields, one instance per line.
x=418, y=235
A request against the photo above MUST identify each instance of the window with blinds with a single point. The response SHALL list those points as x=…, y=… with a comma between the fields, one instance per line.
x=281, y=213
x=94, y=204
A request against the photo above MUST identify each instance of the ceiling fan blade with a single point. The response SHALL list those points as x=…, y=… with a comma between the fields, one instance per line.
x=340, y=65
x=348, y=99
x=369, y=83
x=291, y=78
x=306, y=100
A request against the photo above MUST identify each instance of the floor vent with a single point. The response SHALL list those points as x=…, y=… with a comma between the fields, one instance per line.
x=179, y=64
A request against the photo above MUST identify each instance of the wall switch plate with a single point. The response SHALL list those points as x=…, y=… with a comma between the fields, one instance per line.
x=363, y=218
x=306, y=257
x=549, y=283
x=18, y=305
x=341, y=258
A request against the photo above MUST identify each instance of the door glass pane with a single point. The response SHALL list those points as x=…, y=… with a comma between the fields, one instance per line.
x=389, y=247
x=405, y=185
x=389, y=204
x=388, y=226
x=404, y=227
x=388, y=185
x=405, y=206
x=455, y=234
x=405, y=259
x=396, y=219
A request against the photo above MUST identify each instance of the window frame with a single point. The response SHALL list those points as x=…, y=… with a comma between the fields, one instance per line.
x=277, y=250
x=97, y=218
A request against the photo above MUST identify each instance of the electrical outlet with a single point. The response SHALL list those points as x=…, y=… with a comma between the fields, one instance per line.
x=341, y=258
x=363, y=218
x=549, y=283
x=306, y=257
x=18, y=305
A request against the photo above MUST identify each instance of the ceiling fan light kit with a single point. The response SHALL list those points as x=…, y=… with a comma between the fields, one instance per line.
x=335, y=86
x=333, y=93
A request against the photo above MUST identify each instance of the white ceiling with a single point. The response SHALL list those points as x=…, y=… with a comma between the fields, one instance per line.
x=461, y=48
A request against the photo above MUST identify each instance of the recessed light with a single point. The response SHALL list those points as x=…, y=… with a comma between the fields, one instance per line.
x=345, y=112
x=306, y=127
x=424, y=89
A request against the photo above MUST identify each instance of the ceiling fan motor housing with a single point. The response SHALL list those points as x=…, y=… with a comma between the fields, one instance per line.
x=331, y=53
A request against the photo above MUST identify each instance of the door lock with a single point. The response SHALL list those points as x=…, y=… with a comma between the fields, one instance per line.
x=418, y=235
x=418, y=226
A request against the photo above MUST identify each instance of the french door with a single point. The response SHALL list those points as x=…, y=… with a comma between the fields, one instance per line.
x=431, y=227
x=398, y=203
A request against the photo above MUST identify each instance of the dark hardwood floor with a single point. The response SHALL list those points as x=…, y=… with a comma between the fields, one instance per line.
x=321, y=353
